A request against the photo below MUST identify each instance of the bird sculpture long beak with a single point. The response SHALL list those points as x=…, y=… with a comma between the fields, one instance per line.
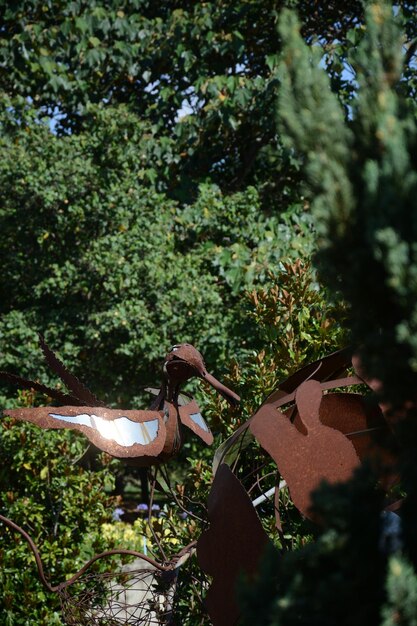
x=224, y=391
x=184, y=361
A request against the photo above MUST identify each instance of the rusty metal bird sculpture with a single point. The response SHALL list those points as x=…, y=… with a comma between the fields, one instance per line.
x=143, y=437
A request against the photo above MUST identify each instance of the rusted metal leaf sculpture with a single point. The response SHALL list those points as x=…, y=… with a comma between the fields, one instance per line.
x=305, y=460
x=327, y=370
x=331, y=367
x=144, y=437
x=360, y=423
x=233, y=545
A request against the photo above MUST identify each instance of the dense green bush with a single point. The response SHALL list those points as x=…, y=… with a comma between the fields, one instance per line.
x=117, y=272
x=61, y=505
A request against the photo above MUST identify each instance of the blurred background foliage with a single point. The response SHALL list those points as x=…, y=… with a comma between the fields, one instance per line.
x=168, y=171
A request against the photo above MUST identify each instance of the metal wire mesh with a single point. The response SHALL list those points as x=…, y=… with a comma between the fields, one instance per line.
x=134, y=596
x=139, y=593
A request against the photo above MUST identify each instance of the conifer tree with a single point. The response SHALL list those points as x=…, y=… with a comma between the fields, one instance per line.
x=362, y=182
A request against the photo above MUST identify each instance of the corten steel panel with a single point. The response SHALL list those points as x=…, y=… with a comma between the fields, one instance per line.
x=233, y=544
x=305, y=460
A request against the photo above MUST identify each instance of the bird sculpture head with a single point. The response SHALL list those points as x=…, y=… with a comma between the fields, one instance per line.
x=183, y=362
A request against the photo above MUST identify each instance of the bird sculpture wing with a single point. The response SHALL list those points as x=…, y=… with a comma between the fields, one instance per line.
x=78, y=388
x=79, y=395
x=25, y=383
x=121, y=433
x=190, y=416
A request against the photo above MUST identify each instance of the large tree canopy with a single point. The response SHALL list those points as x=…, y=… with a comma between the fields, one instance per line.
x=106, y=265
x=201, y=73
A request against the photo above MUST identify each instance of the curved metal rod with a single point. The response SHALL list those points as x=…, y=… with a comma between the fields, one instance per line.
x=85, y=567
x=162, y=568
x=58, y=588
x=33, y=547
x=326, y=386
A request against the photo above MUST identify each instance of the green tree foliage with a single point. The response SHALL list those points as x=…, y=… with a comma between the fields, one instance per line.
x=63, y=508
x=401, y=605
x=76, y=52
x=110, y=269
x=201, y=73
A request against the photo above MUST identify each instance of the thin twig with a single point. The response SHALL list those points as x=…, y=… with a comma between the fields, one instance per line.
x=178, y=503
x=257, y=469
x=154, y=535
x=259, y=480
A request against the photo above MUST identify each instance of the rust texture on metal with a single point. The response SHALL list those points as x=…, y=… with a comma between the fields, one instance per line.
x=305, y=460
x=72, y=383
x=173, y=438
x=114, y=431
x=144, y=437
x=362, y=422
x=190, y=416
x=233, y=545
